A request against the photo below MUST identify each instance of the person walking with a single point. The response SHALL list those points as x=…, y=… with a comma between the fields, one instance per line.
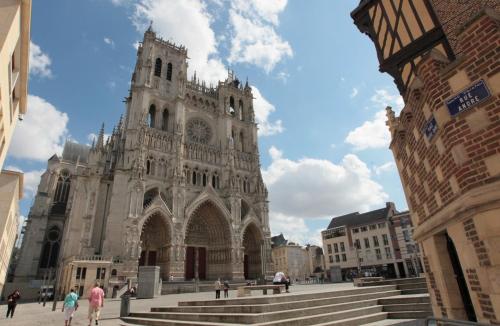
x=96, y=302
x=12, y=302
x=218, y=286
x=69, y=307
x=226, y=289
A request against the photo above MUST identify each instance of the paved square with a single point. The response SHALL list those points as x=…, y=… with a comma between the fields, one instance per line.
x=28, y=314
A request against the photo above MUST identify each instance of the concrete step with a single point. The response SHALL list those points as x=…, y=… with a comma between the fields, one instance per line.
x=252, y=318
x=261, y=308
x=398, y=281
x=372, y=319
x=287, y=297
x=409, y=314
x=415, y=291
x=408, y=307
x=416, y=298
x=166, y=322
x=398, y=322
x=327, y=318
x=408, y=286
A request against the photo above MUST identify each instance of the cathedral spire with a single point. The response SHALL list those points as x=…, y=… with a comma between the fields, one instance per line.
x=100, y=138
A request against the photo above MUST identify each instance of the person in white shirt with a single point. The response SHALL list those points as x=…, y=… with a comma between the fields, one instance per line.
x=280, y=278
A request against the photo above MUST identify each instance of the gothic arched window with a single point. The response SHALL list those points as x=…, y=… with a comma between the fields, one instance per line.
x=50, y=250
x=242, y=142
x=169, y=71
x=231, y=105
x=194, y=177
x=240, y=110
x=164, y=125
x=148, y=167
x=62, y=193
x=204, y=179
x=151, y=116
x=158, y=64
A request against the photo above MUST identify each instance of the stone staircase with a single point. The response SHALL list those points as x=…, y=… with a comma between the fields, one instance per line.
x=190, y=287
x=382, y=304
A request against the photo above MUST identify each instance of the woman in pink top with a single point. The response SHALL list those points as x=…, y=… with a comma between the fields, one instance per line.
x=96, y=302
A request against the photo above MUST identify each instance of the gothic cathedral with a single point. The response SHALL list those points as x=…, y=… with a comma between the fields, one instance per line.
x=176, y=185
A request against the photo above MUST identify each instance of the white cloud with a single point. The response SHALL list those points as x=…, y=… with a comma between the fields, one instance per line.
x=354, y=92
x=263, y=109
x=136, y=45
x=42, y=132
x=374, y=133
x=382, y=98
x=283, y=76
x=379, y=169
x=196, y=33
x=371, y=134
x=109, y=42
x=31, y=179
x=313, y=188
x=254, y=37
x=294, y=229
x=39, y=62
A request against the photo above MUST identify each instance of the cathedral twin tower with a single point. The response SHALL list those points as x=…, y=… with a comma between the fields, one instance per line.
x=176, y=185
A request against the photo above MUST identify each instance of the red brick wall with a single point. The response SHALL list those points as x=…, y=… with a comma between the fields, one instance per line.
x=452, y=14
x=480, y=44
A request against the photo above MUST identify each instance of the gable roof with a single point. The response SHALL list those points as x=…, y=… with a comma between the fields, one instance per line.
x=354, y=219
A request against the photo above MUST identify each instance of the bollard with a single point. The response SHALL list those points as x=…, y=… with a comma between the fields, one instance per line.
x=125, y=305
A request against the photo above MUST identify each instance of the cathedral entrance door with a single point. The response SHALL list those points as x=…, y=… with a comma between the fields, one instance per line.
x=189, y=268
x=245, y=266
x=155, y=239
x=208, y=233
x=252, y=260
x=196, y=263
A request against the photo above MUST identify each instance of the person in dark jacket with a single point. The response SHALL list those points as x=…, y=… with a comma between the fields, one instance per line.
x=12, y=303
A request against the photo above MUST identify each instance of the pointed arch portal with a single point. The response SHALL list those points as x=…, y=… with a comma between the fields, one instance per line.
x=208, y=244
x=155, y=244
x=252, y=259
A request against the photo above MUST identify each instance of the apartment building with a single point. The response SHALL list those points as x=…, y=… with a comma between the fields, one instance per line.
x=365, y=243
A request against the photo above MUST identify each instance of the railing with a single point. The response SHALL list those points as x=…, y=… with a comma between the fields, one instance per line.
x=212, y=92
x=448, y=322
x=91, y=258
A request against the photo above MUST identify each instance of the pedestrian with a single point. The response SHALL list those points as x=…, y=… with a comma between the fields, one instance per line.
x=226, y=289
x=218, y=286
x=171, y=278
x=12, y=302
x=96, y=302
x=69, y=307
x=280, y=278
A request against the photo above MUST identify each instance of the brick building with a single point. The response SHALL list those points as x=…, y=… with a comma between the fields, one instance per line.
x=444, y=57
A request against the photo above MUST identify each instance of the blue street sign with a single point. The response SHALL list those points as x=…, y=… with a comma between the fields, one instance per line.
x=468, y=98
x=430, y=128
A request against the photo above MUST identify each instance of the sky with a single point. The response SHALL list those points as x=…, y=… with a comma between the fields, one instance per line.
x=319, y=97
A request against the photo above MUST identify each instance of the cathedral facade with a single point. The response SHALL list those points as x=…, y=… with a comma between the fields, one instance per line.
x=177, y=184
